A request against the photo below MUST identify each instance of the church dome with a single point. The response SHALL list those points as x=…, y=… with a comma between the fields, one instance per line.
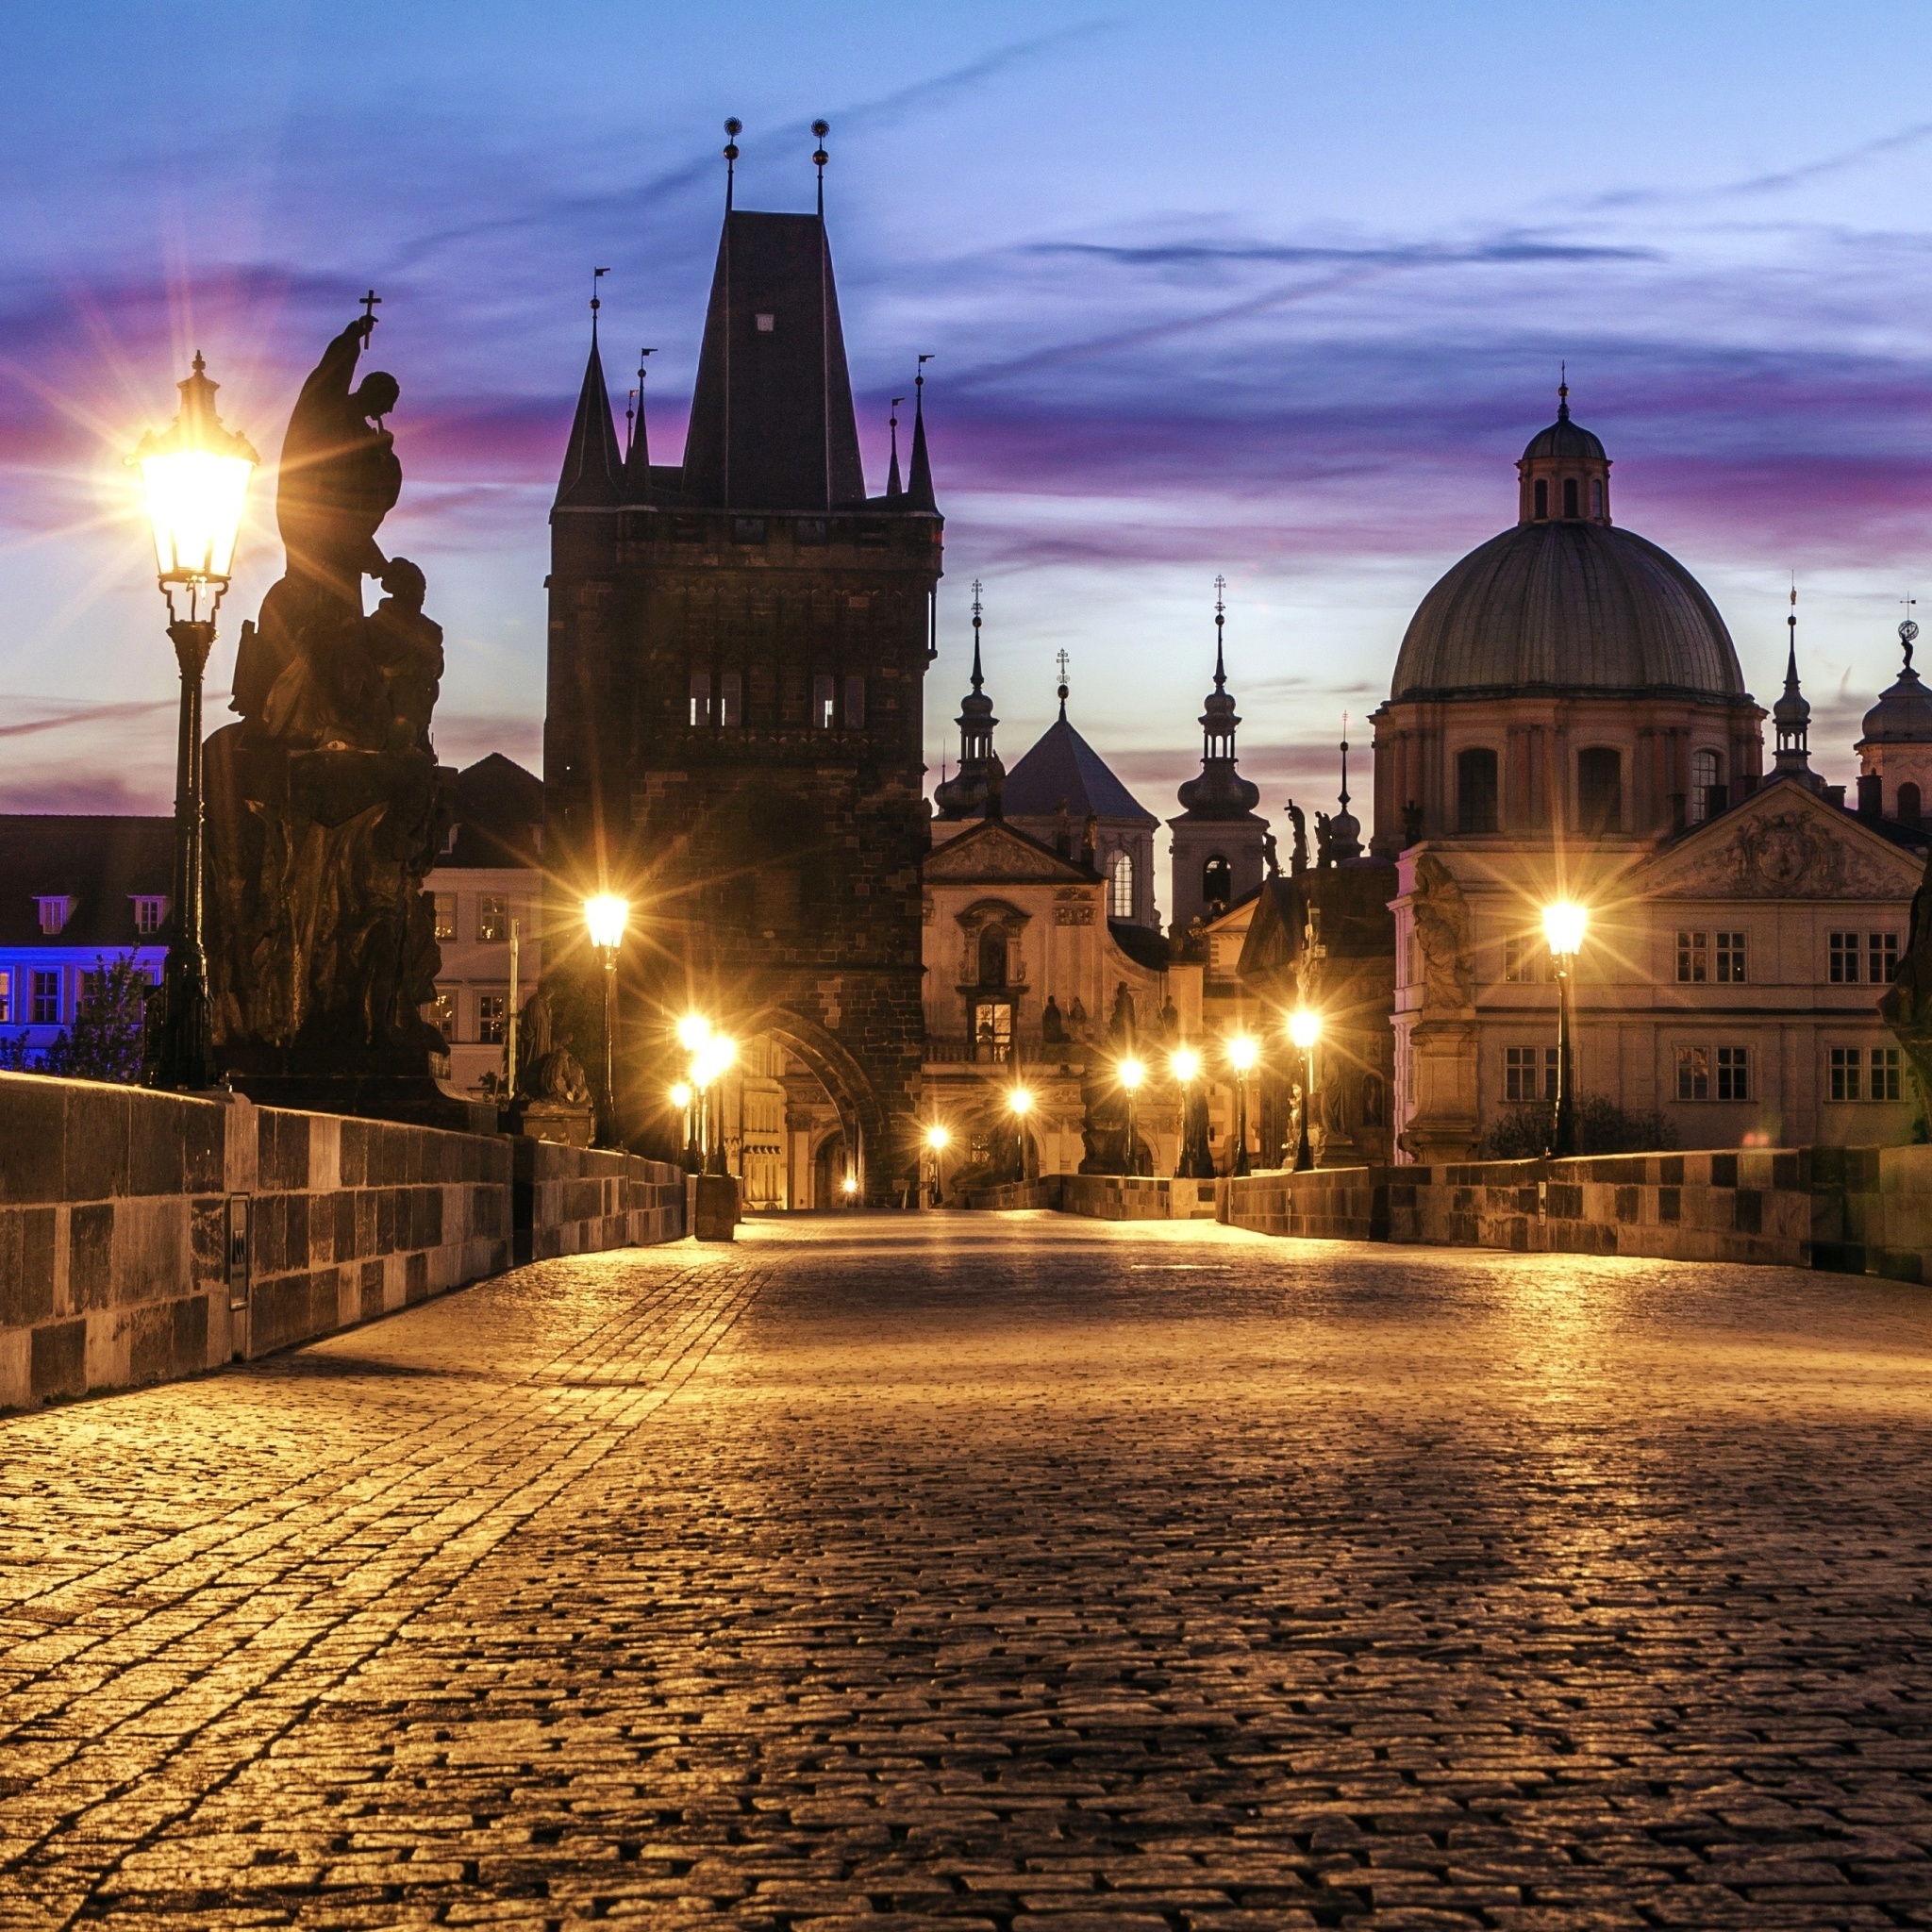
x=1903, y=714
x=1566, y=601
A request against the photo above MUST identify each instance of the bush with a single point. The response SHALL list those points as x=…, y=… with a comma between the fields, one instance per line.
x=1601, y=1127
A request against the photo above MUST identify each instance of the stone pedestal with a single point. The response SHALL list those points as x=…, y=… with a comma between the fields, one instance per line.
x=564, y=1123
x=715, y=1211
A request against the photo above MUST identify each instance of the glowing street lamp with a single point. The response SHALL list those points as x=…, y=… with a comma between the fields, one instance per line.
x=693, y=1031
x=1305, y=1029
x=194, y=480
x=1130, y=1072
x=1192, y=1160
x=681, y=1098
x=938, y=1139
x=606, y=916
x=712, y=1062
x=1564, y=923
x=1241, y=1054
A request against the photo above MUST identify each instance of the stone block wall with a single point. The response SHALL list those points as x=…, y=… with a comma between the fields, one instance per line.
x=1121, y=1197
x=580, y=1200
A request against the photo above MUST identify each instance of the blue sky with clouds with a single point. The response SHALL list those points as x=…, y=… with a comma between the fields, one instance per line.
x=1272, y=291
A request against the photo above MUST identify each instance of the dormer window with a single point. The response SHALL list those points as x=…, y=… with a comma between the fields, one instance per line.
x=54, y=912
x=1542, y=498
x=150, y=911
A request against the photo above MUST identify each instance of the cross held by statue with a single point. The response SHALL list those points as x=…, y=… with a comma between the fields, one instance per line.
x=369, y=307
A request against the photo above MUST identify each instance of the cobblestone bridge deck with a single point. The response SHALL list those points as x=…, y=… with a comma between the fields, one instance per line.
x=995, y=1572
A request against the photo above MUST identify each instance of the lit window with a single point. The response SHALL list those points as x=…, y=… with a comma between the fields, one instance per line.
x=730, y=700
x=491, y=1009
x=765, y=322
x=442, y=1012
x=1694, y=958
x=1885, y=1073
x=1731, y=958
x=150, y=913
x=1693, y=1073
x=1844, y=1072
x=855, y=703
x=55, y=913
x=1217, y=881
x=822, y=703
x=1733, y=1072
x=492, y=917
x=701, y=697
x=1121, y=871
x=445, y=915
x=1529, y=1073
x=47, y=994
x=1881, y=957
x=1844, y=958
x=993, y=1032
x=5, y=998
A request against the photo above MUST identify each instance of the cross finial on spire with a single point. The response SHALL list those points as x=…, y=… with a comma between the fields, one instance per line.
x=733, y=129
x=1062, y=660
x=1219, y=619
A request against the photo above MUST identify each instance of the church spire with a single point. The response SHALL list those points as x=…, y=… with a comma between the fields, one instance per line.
x=966, y=793
x=895, y=488
x=592, y=464
x=637, y=459
x=1219, y=791
x=919, y=486
x=1791, y=714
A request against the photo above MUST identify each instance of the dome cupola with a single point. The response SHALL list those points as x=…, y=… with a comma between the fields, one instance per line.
x=1563, y=473
x=1903, y=714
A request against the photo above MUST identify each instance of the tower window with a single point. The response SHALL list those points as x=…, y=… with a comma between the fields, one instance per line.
x=855, y=703
x=701, y=697
x=1542, y=498
x=1569, y=496
x=1217, y=881
x=1909, y=807
x=1600, y=789
x=1121, y=872
x=1706, y=787
x=730, y=700
x=823, y=713
x=1475, y=790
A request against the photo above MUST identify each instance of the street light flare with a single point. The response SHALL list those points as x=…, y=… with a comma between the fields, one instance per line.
x=680, y=1096
x=1242, y=1053
x=1020, y=1100
x=1563, y=928
x=693, y=1031
x=1186, y=1063
x=1131, y=1072
x=607, y=916
x=937, y=1137
x=1305, y=1028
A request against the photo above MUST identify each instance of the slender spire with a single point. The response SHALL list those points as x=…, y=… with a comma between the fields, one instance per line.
x=1791, y=714
x=592, y=463
x=973, y=790
x=977, y=607
x=1563, y=392
x=733, y=129
x=1344, y=830
x=1220, y=621
x=1219, y=791
x=918, y=485
x=821, y=128
x=1061, y=661
x=637, y=458
x=895, y=488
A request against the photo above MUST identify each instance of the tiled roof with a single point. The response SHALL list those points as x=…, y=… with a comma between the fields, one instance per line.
x=1062, y=765
x=100, y=862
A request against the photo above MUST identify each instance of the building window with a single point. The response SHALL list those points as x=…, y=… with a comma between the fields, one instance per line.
x=730, y=700
x=5, y=998
x=1731, y=958
x=1885, y=1073
x=1844, y=958
x=443, y=1012
x=150, y=913
x=1596, y=496
x=1694, y=958
x=1600, y=789
x=1217, y=881
x=1693, y=1073
x=1529, y=1073
x=1881, y=957
x=855, y=703
x=1121, y=871
x=1908, y=808
x=701, y=697
x=1525, y=960
x=47, y=994
x=822, y=714
x=55, y=913
x=445, y=915
x=993, y=1032
x=1476, y=791
x=992, y=957
x=491, y=1013
x=1706, y=787
x=1569, y=496
x=1733, y=1072
x=1844, y=1072
x=492, y=917
x=1542, y=498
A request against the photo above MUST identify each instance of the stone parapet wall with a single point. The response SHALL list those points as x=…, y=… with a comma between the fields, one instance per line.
x=1121, y=1197
x=581, y=1200
x=1047, y=1191
x=146, y=1236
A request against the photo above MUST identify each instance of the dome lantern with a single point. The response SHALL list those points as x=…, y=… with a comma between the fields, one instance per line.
x=1563, y=474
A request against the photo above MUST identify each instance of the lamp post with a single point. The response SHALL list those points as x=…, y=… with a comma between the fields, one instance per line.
x=1563, y=928
x=1241, y=1054
x=1018, y=1104
x=607, y=916
x=713, y=1061
x=681, y=1099
x=194, y=479
x=693, y=1031
x=1305, y=1029
x=937, y=1140
x=1130, y=1072
x=1192, y=1159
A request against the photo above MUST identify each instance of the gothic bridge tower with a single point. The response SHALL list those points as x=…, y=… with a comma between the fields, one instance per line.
x=737, y=659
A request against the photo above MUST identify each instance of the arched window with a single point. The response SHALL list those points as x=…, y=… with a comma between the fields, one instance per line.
x=1217, y=881
x=1475, y=790
x=1908, y=808
x=1596, y=496
x=822, y=714
x=701, y=697
x=1599, y=789
x=1542, y=498
x=730, y=700
x=1569, y=496
x=1121, y=871
x=1706, y=787
x=992, y=957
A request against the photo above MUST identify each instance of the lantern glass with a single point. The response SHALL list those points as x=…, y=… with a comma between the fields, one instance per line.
x=1563, y=928
x=1305, y=1028
x=194, y=479
x=607, y=916
x=1242, y=1053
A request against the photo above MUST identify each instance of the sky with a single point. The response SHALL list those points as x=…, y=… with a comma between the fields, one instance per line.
x=1270, y=291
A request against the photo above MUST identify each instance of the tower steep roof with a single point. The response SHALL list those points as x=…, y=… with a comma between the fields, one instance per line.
x=1063, y=768
x=592, y=464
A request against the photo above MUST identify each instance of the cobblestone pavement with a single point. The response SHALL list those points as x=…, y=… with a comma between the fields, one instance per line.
x=971, y=1573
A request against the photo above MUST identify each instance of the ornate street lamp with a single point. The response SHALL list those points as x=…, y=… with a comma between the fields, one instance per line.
x=1305, y=1029
x=1241, y=1054
x=1191, y=1159
x=1130, y=1072
x=1018, y=1104
x=937, y=1140
x=714, y=1058
x=1563, y=928
x=194, y=478
x=693, y=1032
x=606, y=917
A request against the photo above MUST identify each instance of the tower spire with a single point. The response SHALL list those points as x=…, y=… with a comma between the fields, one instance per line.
x=637, y=456
x=1219, y=620
x=733, y=129
x=972, y=791
x=1219, y=791
x=1791, y=714
x=1563, y=392
x=1344, y=830
x=894, y=489
x=918, y=485
x=592, y=463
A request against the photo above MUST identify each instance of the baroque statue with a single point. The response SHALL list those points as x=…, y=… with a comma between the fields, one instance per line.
x=325, y=811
